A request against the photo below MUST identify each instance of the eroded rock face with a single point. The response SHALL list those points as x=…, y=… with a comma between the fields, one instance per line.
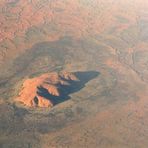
x=30, y=94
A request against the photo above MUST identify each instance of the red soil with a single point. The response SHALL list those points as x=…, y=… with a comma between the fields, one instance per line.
x=64, y=18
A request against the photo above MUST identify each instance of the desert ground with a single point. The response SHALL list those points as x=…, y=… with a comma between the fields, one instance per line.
x=103, y=45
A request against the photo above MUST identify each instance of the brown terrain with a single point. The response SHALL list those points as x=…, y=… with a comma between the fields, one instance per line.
x=73, y=73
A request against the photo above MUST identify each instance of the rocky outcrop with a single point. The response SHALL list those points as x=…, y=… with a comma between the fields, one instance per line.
x=30, y=94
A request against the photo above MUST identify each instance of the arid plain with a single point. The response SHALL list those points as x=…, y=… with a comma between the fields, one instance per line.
x=83, y=64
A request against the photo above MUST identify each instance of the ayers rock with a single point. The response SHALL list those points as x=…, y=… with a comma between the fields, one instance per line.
x=50, y=82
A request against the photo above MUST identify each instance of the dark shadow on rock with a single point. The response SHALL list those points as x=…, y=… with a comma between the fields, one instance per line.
x=66, y=90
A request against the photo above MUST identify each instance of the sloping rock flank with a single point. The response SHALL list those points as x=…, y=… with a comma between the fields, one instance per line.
x=50, y=82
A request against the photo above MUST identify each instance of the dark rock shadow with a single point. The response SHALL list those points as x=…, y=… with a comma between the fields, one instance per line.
x=66, y=90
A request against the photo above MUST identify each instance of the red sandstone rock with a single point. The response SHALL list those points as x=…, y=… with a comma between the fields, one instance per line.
x=29, y=94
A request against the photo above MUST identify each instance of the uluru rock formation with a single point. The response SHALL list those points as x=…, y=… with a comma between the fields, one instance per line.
x=105, y=44
x=30, y=94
